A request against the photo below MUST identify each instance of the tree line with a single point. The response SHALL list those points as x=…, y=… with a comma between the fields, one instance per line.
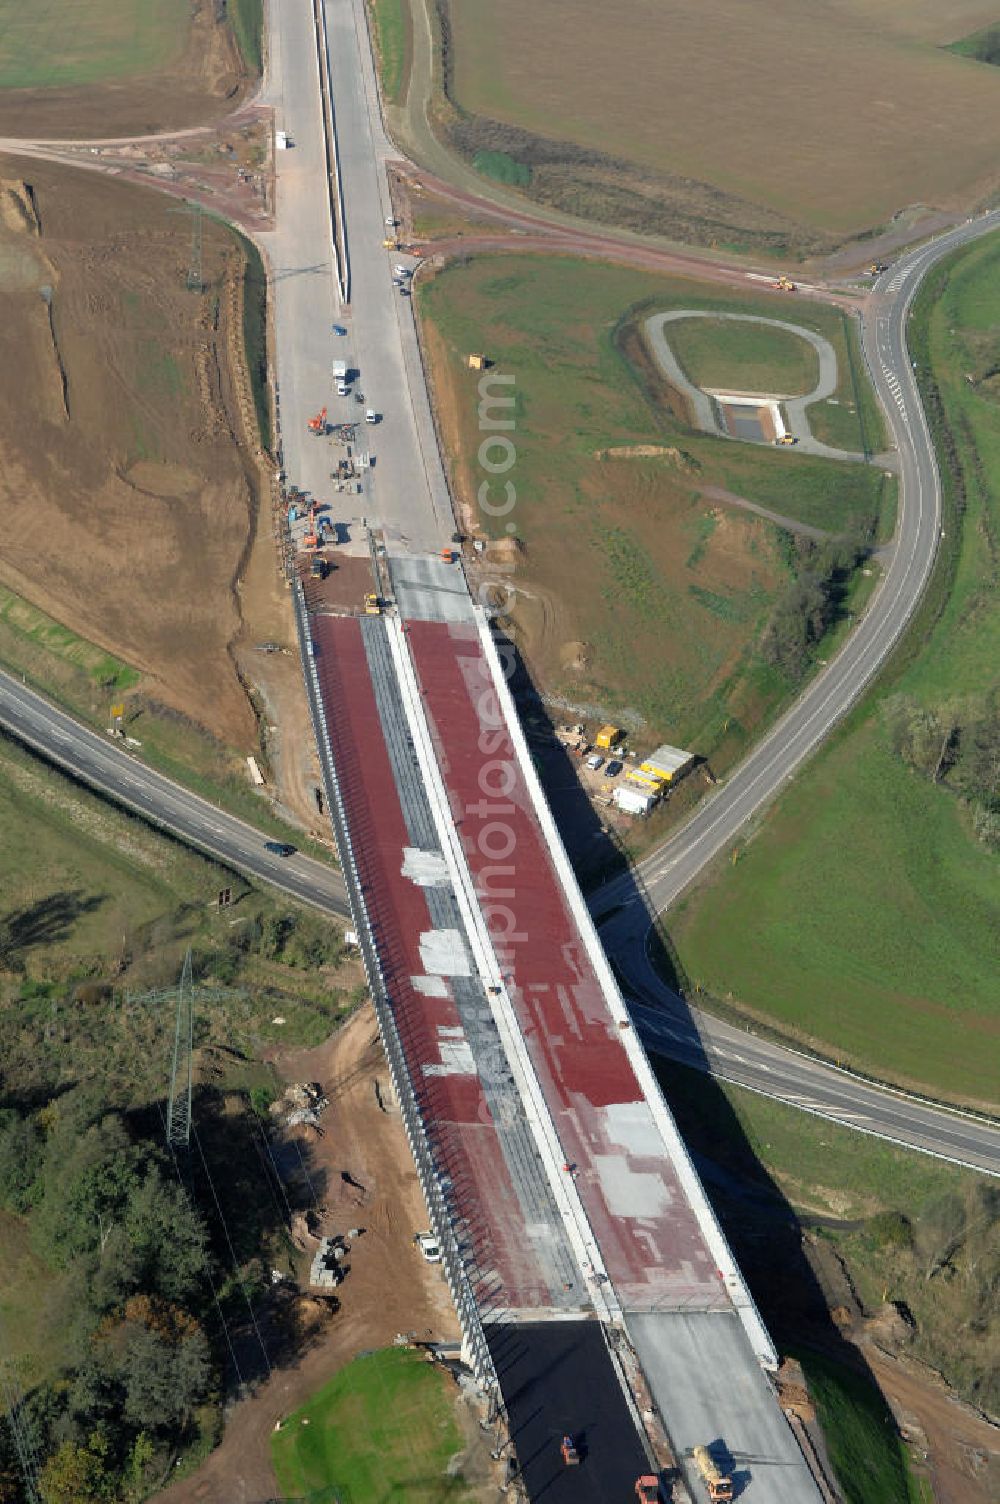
x=812, y=602
x=135, y=1261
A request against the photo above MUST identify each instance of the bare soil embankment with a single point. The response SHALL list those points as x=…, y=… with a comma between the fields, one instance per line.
x=127, y=503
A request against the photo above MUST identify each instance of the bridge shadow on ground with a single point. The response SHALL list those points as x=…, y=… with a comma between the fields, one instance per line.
x=248, y=1184
x=795, y=1278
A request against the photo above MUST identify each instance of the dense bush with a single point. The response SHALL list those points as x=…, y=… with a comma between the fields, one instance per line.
x=811, y=604
x=958, y=746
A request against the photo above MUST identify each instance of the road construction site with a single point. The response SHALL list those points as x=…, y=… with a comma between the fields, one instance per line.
x=426, y=568
x=557, y=1186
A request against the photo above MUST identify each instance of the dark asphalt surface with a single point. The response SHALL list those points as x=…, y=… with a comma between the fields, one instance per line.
x=558, y=1379
x=109, y=767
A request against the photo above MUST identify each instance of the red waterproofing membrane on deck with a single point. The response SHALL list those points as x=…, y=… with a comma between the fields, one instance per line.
x=649, y=1237
x=452, y=1105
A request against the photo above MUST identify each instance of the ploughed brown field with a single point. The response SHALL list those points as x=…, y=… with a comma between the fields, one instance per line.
x=127, y=511
x=830, y=117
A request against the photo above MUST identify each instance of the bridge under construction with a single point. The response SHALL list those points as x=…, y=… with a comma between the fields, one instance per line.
x=597, y=1294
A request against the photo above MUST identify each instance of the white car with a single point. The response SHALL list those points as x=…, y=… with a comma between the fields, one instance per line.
x=429, y=1247
x=371, y=416
x=401, y=271
x=390, y=223
x=595, y=762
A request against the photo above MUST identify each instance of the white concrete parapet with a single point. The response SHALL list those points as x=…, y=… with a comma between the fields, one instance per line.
x=740, y=1296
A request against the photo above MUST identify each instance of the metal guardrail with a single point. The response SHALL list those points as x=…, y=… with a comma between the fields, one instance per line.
x=335, y=189
x=432, y=1181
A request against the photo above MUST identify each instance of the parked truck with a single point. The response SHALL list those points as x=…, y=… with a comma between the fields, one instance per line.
x=718, y=1483
x=340, y=377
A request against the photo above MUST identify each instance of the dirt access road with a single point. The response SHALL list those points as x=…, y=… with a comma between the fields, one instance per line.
x=389, y=1289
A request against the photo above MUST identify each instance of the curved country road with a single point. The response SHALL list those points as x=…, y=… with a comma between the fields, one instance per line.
x=628, y=903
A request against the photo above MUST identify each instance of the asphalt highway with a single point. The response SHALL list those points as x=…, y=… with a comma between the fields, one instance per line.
x=109, y=767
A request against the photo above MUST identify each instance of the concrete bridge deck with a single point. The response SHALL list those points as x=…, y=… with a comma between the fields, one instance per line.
x=569, y=1189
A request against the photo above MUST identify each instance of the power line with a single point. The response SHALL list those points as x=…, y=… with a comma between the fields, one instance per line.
x=181, y=1074
x=208, y=1272
x=21, y=1431
x=232, y=1250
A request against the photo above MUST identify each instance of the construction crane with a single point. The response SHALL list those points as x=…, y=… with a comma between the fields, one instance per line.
x=317, y=425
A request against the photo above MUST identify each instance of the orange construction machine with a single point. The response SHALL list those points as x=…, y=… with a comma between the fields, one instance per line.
x=784, y=284
x=568, y=1448
x=718, y=1483
x=317, y=425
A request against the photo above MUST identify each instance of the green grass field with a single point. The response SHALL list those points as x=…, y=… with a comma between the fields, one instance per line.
x=863, y=913
x=106, y=673
x=391, y=29
x=383, y=1430
x=86, y=681
x=50, y=46
x=247, y=20
x=723, y=354
x=670, y=591
x=869, y=1459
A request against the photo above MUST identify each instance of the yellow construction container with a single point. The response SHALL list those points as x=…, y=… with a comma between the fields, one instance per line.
x=477, y=362
x=607, y=737
x=653, y=783
x=666, y=763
